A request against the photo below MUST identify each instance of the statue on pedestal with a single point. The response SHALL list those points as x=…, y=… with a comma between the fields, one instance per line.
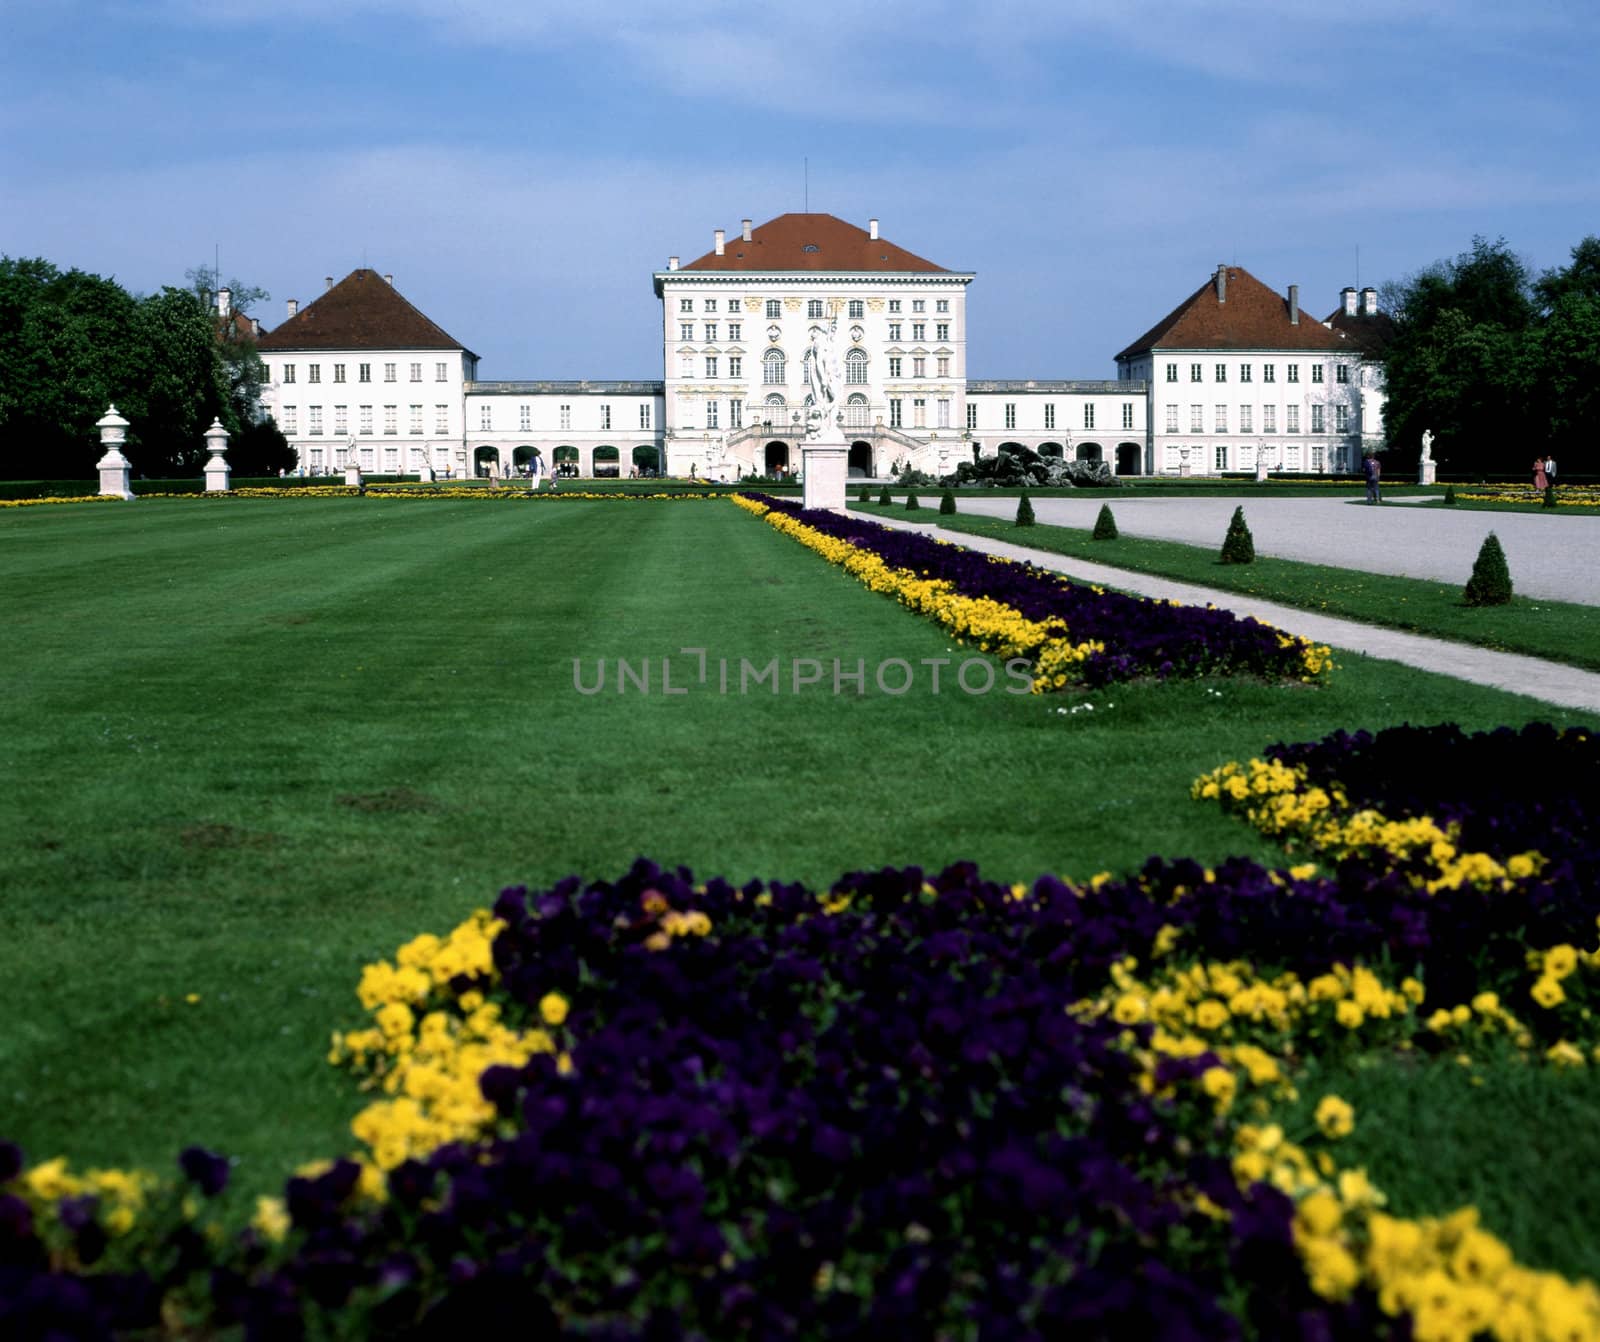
x=824, y=376
x=1427, y=444
x=1427, y=467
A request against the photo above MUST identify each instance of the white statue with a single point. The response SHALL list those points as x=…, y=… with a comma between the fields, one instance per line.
x=824, y=377
x=1427, y=444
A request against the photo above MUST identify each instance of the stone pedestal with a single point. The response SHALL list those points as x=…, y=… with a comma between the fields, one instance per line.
x=115, y=469
x=425, y=473
x=1427, y=472
x=827, y=471
x=217, y=469
x=352, y=476
x=1261, y=469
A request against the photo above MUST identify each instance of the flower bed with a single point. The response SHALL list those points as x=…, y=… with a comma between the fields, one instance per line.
x=1072, y=633
x=380, y=492
x=1567, y=496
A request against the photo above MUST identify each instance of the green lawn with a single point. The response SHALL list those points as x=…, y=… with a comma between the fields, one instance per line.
x=1560, y=631
x=249, y=745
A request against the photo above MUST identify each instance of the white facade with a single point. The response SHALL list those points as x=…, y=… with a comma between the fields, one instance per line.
x=1075, y=420
x=583, y=428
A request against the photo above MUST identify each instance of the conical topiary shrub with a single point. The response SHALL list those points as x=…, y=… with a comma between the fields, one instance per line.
x=1238, y=546
x=865, y=496
x=947, y=504
x=1549, y=496
x=1450, y=495
x=1105, y=525
x=911, y=501
x=883, y=497
x=1024, y=512
x=1490, y=583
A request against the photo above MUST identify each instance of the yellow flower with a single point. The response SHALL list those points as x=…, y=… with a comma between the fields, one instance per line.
x=553, y=1009
x=1349, y=1015
x=1319, y=1214
x=1335, y=1117
x=1220, y=1084
x=1211, y=1015
x=271, y=1219
x=1560, y=961
x=1548, y=993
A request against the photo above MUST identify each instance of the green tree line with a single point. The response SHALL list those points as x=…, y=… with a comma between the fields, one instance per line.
x=72, y=343
x=1499, y=362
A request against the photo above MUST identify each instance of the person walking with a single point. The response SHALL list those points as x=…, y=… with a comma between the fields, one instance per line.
x=1374, y=473
x=1549, y=469
x=1540, y=479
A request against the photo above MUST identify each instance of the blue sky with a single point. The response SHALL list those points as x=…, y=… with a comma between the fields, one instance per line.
x=522, y=168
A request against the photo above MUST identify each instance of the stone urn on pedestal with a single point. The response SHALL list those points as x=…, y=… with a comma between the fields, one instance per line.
x=114, y=468
x=217, y=469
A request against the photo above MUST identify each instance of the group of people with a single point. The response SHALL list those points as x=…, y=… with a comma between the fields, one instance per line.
x=1544, y=473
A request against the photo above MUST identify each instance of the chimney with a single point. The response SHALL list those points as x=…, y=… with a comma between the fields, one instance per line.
x=327, y=282
x=294, y=306
x=717, y=245
x=872, y=229
x=672, y=263
x=1369, y=302
x=224, y=302
x=1294, y=305
x=389, y=280
x=1222, y=284
x=1347, y=299
x=744, y=226
x=255, y=327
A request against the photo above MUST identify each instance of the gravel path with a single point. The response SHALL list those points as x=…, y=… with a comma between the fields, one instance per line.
x=1551, y=682
x=1556, y=557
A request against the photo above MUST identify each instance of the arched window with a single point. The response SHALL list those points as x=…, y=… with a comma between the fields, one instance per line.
x=773, y=368
x=772, y=412
x=855, y=367
x=855, y=410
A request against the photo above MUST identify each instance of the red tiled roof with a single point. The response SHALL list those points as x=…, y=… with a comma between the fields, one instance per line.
x=1253, y=317
x=1371, y=333
x=810, y=242
x=362, y=311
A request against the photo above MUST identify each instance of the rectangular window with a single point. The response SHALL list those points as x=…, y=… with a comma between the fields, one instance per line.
x=735, y=414
x=711, y=305
x=1172, y=419
x=857, y=309
x=1172, y=372
x=524, y=417
x=1269, y=372
x=919, y=413
x=416, y=421
x=944, y=412
x=1341, y=418
x=1316, y=460
x=733, y=331
x=943, y=305
x=774, y=309
x=441, y=419
x=1245, y=417
x=894, y=412
x=416, y=372
x=364, y=420
x=388, y=372
x=288, y=372
x=894, y=330
x=1197, y=419
x=1269, y=419
x=314, y=419
x=1011, y=414
x=441, y=372
x=712, y=415
x=894, y=305
x=894, y=365
x=316, y=461
x=1127, y=414
x=1291, y=419
x=1318, y=422
x=1049, y=415
x=944, y=365
x=290, y=420
x=919, y=366
x=1194, y=372
x=1222, y=457
x=919, y=330
x=605, y=417
x=1294, y=372
x=972, y=415
x=711, y=331
x=391, y=419
x=1316, y=372
x=566, y=417
x=314, y=373
x=338, y=372
x=1341, y=372
x=735, y=366
x=942, y=331
x=367, y=455
x=1221, y=420
x=711, y=365
x=686, y=305
x=391, y=460
x=917, y=305
x=644, y=416
x=485, y=417
x=363, y=372
x=1222, y=372
x=1088, y=414
x=685, y=330
x=1244, y=372
x=341, y=420
x=813, y=309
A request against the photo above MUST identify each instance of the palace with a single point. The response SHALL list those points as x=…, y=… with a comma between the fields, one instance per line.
x=360, y=376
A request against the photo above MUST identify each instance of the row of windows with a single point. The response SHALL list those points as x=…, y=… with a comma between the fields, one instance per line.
x=1286, y=458
x=441, y=372
x=1050, y=415
x=1269, y=372
x=441, y=421
x=564, y=413
x=919, y=331
x=1269, y=419
x=855, y=308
